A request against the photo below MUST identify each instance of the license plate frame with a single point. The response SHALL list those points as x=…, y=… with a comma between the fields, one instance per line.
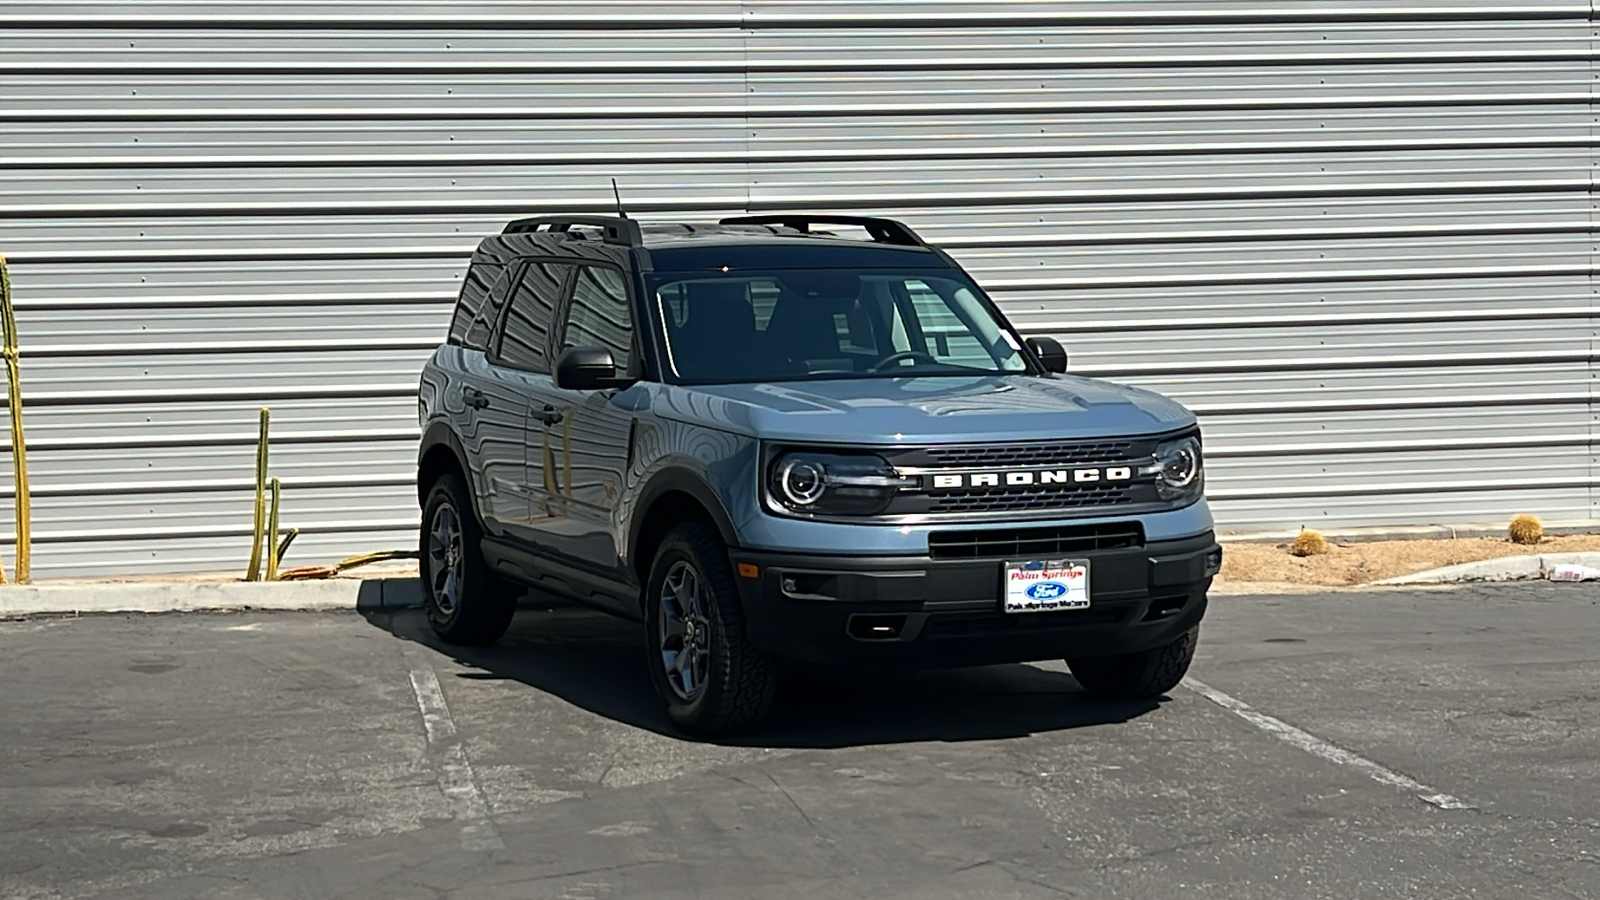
x=1044, y=585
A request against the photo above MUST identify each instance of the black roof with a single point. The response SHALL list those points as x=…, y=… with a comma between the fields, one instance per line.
x=630, y=233
x=767, y=242
x=770, y=241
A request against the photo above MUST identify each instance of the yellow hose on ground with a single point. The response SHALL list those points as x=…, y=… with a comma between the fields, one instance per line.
x=19, y=447
x=380, y=556
x=309, y=573
x=254, y=573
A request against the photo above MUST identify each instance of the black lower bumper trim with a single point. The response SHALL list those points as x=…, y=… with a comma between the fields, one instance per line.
x=917, y=611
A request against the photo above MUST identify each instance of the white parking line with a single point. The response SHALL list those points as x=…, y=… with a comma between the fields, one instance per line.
x=1316, y=746
x=456, y=780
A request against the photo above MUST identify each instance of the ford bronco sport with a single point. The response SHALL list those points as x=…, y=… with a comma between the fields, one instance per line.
x=778, y=446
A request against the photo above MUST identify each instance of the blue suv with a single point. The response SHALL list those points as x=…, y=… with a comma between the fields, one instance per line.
x=779, y=446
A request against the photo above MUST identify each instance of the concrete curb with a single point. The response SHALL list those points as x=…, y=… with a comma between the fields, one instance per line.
x=1404, y=533
x=150, y=597
x=1506, y=568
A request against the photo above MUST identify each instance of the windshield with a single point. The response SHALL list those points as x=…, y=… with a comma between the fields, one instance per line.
x=800, y=324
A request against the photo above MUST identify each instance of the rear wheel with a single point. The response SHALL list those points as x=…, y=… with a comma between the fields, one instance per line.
x=465, y=601
x=1137, y=676
x=703, y=665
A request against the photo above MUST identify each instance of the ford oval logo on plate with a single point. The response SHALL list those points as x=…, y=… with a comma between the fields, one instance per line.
x=1048, y=590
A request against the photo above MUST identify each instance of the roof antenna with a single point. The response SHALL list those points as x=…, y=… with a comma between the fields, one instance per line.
x=618, y=194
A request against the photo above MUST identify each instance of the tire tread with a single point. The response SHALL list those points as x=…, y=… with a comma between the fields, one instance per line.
x=1136, y=676
x=743, y=685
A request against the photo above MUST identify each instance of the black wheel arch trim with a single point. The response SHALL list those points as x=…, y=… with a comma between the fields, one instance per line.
x=684, y=482
x=437, y=434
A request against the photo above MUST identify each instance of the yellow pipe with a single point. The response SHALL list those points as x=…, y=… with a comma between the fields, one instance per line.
x=272, y=532
x=380, y=556
x=19, y=447
x=254, y=574
x=309, y=573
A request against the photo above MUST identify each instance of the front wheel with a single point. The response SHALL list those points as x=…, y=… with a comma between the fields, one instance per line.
x=703, y=665
x=466, y=603
x=1137, y=676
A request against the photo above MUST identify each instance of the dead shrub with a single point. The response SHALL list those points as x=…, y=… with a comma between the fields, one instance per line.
x=1525, y=529
x=1309, y=543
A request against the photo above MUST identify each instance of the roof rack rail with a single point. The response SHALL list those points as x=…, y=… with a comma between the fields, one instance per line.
x=617, y=229
x=883, y=231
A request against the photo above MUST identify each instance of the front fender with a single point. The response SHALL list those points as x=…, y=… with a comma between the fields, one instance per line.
x=684, y=481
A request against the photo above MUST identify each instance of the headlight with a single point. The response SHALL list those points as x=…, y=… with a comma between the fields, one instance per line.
x=832, y=484
x=1179, y=465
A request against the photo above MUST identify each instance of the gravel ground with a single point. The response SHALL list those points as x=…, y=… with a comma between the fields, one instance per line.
x=1363, y=562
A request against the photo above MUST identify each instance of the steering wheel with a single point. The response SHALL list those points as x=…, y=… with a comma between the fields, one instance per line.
x=903, y=354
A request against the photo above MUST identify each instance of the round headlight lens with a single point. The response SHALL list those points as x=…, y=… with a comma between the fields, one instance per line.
x=1180, y=467
x=802, y=481
x=828, y=484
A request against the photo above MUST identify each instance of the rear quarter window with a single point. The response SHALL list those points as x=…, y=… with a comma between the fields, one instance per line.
x=475, y=288
x=482, y=329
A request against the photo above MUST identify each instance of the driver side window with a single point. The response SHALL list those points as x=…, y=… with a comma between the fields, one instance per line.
x=874, y=324
x=599, y=316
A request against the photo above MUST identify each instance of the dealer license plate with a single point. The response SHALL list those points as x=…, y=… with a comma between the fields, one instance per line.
x=1046, y=585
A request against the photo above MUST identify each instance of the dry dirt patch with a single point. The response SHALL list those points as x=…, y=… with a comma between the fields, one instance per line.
x=1361, y=562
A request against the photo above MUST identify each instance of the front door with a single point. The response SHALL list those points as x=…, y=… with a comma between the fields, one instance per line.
x=588, y=437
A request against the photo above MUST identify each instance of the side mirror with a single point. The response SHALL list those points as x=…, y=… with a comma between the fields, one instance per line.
x=587, y=369
x=1050, y=352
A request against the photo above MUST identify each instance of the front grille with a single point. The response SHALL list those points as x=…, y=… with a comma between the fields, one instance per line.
x=998, y=466
x=1034, y=543
x=1042, y=455
x=1009, y=499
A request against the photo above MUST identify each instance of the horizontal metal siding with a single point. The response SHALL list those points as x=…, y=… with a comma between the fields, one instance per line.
x=1356, y=238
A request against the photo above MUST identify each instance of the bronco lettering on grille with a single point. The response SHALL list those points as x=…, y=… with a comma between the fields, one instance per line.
x=1031, y=477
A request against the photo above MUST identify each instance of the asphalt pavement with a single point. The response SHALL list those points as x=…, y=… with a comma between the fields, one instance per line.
x=1391, y=743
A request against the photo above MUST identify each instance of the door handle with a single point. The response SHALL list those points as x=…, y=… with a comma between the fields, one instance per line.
x=549, y=415
x=474, y=398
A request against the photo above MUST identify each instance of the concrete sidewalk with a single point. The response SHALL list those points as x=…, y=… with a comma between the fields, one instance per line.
x=397, y=592
x=404, y=591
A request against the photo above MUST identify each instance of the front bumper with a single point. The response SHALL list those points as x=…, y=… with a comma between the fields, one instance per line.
x=906, y=612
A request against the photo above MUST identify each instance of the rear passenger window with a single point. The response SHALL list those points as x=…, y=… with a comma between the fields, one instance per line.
x=474, y=291
x=525, y=339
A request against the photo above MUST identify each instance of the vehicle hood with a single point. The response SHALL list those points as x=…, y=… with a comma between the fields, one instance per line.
x=925, y=410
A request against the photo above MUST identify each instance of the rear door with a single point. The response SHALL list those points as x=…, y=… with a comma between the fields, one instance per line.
x=490, y=419
x=519, y=377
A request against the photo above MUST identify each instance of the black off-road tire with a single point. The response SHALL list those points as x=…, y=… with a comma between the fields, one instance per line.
x=478, y=608
x=1137, y=676
x=739, y=681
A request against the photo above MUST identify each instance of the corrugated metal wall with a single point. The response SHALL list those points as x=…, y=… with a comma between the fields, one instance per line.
x=1357, y=237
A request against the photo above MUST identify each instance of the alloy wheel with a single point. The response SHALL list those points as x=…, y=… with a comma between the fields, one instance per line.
x=685, y=631
x=444, y=558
